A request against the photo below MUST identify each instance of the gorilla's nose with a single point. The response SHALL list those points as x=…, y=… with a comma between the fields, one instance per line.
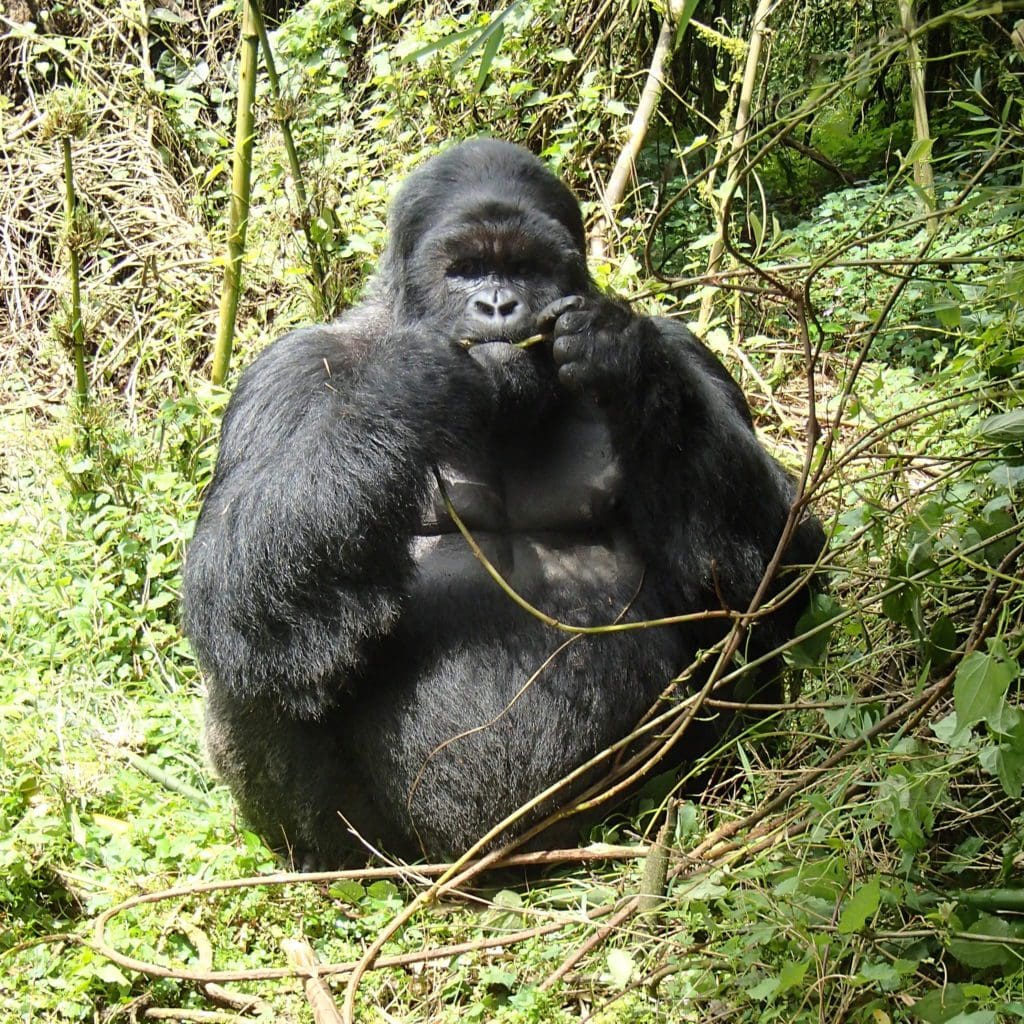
x=496, y=310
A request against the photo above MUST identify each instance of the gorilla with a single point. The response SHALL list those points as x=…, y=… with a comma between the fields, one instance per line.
x=369, y=679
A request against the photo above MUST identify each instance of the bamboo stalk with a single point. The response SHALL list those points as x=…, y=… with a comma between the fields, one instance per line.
x=301, y=197
x=77, y=329
x=241, y=179
x=923, y=176
x=624, y=165
x=739, y=140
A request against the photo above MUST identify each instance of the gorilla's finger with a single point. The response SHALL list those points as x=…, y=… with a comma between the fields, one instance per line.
x=573, y=323
x=573, y=376
x=568, y=348
x=553, y=310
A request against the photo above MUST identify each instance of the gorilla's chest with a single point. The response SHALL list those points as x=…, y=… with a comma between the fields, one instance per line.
x=563, y=477
x=544, y=509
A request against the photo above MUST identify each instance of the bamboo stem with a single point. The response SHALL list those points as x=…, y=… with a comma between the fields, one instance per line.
x=739, y=140
x=624, y=165
x=923, y=176
x=77, y=329
x=301, y=197
x=241, y=178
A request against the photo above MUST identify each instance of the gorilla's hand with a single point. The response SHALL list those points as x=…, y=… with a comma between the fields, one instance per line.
x=521, y=384
x=424, y=379
x=596, y=344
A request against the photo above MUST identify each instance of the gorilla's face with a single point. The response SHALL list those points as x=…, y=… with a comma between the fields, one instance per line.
x=483, y=238
x=488, y=272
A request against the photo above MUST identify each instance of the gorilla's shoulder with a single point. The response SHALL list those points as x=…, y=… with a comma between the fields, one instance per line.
x=338, y=347
x=705, y=362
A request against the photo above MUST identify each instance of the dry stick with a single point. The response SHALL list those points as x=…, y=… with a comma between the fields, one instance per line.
x=301, y=199
x=448, y=870
x=802, y=300
x=774, y=134
x=912, y=710
x=466, y=868
x=883, y=316
x=920, y=704
x=534, y=339
x=544, y=857
x=300, y=954
x=916, y=707
x=197, y=1016
x=692, y=707
x=243, y=1003
x=790, y=829
x=652, y=883
x=549, y=620
x=241, y=181
x=645, y=109
x=526, y=686
x=622, y=914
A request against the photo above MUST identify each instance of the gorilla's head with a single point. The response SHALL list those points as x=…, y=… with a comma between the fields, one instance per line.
x=480, y=239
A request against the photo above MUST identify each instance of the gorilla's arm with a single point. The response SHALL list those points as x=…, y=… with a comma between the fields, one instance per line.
x=300, y=556
x=706, y=502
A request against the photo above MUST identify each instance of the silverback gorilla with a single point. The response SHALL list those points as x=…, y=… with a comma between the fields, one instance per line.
x=365, y=672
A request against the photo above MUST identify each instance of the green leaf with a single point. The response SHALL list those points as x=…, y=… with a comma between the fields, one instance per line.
x=439, y=44
x=920, y=150
x=758, y=228
x=980, y=687
x=941, y=641
x=348, y=890
x=940, y=1005
x=1006, y=763
x=487, y=58
x=992, y=953
x=494, y=975
x=382, y=890
x=860, y=906
x=810, y=652
x=684, y=16
x=764, y=989
x=1007, y=427
x=508, y=899
x=791, y=975
x=948, y=730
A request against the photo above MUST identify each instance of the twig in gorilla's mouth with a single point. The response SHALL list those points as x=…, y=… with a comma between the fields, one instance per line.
x=468, y=343
x=532, y=340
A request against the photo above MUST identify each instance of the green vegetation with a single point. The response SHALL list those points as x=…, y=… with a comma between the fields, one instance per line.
x=861, y=858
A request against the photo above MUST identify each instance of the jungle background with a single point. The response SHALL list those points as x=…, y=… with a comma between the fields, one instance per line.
x=830, y=193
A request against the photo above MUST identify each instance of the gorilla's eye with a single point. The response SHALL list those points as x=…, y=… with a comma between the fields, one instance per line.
x=467, y=268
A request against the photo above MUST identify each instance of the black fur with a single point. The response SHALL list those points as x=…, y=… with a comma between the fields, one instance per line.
x=360, y=662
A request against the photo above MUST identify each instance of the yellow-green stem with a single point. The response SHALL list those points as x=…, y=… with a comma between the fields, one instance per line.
x=301, y=199
x=241, y=176
x=77, y=329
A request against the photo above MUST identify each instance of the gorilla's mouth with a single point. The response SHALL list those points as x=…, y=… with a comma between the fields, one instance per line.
x=520, y=339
